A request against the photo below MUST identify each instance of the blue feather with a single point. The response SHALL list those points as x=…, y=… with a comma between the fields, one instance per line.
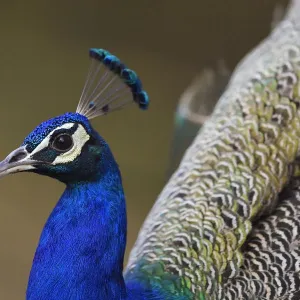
x=81, y=249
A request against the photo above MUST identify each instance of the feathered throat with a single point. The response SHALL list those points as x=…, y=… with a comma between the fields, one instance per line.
x=109, y=86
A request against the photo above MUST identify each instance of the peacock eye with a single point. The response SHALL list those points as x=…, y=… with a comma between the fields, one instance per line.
x=62, y=142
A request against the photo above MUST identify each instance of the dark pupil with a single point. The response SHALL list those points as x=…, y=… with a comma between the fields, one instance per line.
x=63, y=142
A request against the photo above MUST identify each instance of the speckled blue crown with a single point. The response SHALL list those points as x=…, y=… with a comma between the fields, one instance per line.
x=42, y=130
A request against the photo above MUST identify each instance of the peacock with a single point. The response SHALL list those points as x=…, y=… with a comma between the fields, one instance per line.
x=81, y=249
x=226, y=225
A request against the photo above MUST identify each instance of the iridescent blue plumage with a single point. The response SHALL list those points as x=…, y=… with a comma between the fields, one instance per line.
x=80, y=253
x=81, y=249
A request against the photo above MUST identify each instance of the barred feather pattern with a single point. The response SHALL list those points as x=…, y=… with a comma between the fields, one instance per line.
x=195, y=241
x=271, y=268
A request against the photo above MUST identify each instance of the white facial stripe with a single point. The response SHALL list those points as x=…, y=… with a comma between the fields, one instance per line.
x=80, y=137
x=45, y=141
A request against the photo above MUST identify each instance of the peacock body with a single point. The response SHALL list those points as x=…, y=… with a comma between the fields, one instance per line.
x=227, y=224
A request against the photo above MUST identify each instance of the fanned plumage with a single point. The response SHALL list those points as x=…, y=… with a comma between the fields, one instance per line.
x=229, y=177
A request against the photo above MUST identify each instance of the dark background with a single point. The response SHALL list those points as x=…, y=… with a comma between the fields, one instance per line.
x=43, y=62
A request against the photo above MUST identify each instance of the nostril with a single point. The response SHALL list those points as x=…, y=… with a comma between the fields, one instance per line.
x=18, y=156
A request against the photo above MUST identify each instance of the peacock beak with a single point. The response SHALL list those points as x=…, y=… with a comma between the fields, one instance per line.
x=17, y=161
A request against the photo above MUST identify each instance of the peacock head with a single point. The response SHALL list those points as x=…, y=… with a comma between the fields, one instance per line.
x=67, y=147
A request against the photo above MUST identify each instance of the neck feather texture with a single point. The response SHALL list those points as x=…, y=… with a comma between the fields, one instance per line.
x=81, y=249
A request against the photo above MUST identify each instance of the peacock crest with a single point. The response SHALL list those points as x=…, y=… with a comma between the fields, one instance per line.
x=109, y=86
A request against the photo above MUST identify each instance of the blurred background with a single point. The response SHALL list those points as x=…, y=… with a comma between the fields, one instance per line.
x=43, y=64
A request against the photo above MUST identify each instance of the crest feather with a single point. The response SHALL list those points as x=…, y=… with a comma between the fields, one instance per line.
x=109, y=86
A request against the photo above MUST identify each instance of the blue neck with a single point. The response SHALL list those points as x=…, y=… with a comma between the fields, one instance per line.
x=81, y=249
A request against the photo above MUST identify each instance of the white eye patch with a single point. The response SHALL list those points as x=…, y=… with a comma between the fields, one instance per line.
x=80, y=137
